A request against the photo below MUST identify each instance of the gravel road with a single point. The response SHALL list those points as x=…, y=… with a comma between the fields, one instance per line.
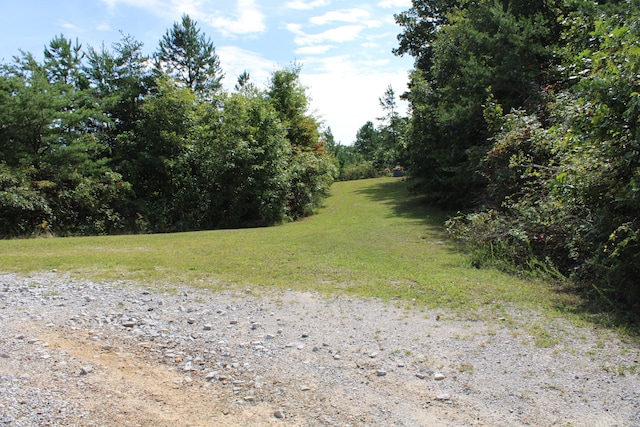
x=77, y=353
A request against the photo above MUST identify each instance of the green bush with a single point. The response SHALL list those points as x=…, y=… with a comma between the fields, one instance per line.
x=24, y=208
x=358, y=171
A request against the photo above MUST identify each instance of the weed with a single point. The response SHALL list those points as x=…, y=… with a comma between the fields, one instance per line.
x=465, y=368
x=542, y=336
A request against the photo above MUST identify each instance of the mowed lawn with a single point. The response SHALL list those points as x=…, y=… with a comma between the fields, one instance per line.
x=371, y=238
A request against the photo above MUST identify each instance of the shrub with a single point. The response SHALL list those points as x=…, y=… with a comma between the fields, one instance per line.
x=358, y=171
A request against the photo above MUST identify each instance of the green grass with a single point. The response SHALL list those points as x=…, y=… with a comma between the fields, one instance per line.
x=370, y=239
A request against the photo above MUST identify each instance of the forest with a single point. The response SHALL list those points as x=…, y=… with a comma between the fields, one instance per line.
x=109, y=140
x=522, y=123
x=524, y=119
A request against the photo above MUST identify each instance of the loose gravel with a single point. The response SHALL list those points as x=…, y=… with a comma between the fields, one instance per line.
x=79, y=353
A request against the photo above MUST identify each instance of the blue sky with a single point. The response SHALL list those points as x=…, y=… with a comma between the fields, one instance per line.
x=344, y=46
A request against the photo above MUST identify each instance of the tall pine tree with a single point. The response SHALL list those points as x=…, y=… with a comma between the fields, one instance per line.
x=188, y=56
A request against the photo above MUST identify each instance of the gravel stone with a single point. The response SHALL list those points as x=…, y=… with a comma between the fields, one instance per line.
x=80, y=353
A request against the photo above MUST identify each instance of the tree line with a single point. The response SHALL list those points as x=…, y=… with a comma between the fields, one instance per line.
x=110, y=140
x=378, y=148
x=524, y=117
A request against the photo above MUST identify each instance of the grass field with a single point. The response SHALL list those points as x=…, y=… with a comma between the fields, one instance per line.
x=371, y=239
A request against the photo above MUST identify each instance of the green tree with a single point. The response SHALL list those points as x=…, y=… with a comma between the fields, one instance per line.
x=483, y=48
x=48, y=112
x=367, y=141
x=563, y=179
x=383, y=146
x=62, y=60
x=188, y=56
x=420, y=25
x=252, y=180
x=393, y=129
x=290, y=100
x=245, y=85
x=311, y=168
x=24, y=210
x=120, y=79
x=170, y=118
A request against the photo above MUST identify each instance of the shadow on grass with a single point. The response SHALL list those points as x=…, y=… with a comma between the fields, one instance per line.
x=412, y=207
x=573, y=298
x=404, y=204
x=601, y=310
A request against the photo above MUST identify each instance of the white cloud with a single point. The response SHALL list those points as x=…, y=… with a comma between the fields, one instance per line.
x=103, y=27
x=189, y=7
x=341, y=34
x=306, y=5
x=345, y=93
x=313, y=50
x=234, y=61
x=294, y=28
x=157, y=5
x=345, y=15
x=387, y=4
x=248, y=19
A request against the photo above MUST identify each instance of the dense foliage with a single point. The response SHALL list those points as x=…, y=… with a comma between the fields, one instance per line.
x=525, y=114
x=108, y=141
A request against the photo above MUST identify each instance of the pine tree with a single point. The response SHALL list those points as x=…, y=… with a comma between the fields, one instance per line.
x=188, y=56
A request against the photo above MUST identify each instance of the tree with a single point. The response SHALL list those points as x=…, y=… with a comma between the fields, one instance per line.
x=58, y=176
x=311, y=168
x=120, y=80
x=392, y=130
x=93, y=142
x=290, y=100
x=421, y=24
x=252, y=180
x=485, y=48
x=329, y=139
x=366, y=140
x=164, y=135
x=62, y=60
x=564, y=178
x=187, y=55
x=383, y=146
x=391, y=118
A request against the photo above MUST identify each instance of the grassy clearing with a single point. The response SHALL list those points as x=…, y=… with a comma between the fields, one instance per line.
x=370, y=239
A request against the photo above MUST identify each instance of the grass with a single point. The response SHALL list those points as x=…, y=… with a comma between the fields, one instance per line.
x=370, y=239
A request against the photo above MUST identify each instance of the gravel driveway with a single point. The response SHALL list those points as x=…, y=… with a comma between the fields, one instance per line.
x=76, y=353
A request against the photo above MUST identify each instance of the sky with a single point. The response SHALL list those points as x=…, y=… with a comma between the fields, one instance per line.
x=343, y=46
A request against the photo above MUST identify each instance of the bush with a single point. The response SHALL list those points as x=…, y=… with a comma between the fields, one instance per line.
x=358, y=171
x=24, y=208
x=310, y=177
